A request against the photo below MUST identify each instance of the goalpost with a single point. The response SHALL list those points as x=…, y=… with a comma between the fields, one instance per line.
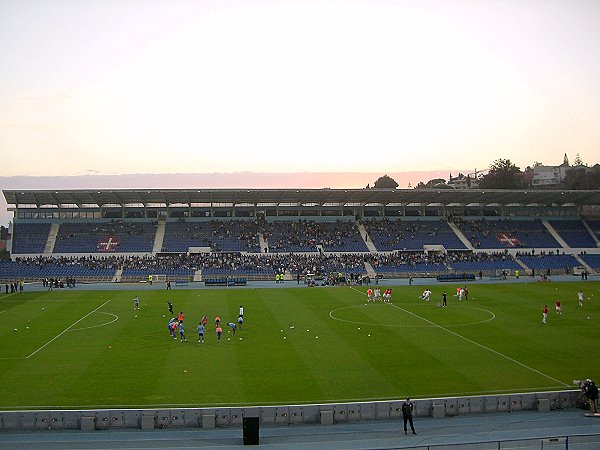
x=162, y=278
x=507, y=272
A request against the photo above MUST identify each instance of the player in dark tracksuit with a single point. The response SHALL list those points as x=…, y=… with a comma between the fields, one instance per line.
x=407, y=411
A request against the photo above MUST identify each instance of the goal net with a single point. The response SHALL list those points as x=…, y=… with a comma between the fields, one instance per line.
x=159, y=278
x=507, y=272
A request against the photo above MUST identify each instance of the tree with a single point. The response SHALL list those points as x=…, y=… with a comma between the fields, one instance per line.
x=583, y=178
x=385, y=182
x=578, y=161
x=503, y=174
x=434, y=183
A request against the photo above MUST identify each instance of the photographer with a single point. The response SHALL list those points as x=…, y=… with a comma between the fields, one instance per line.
x=590, y=390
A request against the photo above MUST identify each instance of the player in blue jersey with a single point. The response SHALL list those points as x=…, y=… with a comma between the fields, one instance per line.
x=233, y=327
x=182, y=332
x=200, y=329
x=171, y=326
x=240, y=322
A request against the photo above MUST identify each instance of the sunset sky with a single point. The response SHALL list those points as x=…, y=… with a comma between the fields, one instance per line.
x=383, y=86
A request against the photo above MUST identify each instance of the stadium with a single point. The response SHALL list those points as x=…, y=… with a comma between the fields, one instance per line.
x=312, y=348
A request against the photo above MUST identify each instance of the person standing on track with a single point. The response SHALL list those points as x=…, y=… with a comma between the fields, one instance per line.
x=407, y=415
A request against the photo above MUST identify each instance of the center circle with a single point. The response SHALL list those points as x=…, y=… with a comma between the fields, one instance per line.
x=413, y=315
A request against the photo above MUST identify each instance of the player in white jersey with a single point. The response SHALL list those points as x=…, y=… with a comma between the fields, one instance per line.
x=377, y=295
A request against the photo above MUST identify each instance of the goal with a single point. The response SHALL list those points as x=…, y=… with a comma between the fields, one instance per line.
x=162, y=278
x=507, y=272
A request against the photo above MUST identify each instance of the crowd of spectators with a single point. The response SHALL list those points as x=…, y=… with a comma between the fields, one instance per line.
x=478, y=257
x=218, y=235
x=306, y=235
x=89, y=262
x=298, y=265
x=405, y=258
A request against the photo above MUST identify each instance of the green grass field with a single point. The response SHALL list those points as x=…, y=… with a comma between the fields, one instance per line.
x=87, y=349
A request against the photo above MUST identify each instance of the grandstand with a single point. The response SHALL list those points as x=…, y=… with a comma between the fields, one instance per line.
x=128, y=235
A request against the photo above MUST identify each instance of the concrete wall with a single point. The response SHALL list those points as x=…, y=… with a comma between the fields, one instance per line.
x=224, y=417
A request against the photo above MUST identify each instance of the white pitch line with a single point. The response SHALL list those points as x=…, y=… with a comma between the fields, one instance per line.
x=100, y=325
x=478, y=344
x=66, y=329
x=483, y=346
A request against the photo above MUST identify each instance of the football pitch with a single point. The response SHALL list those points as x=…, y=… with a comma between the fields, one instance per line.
x=78, y=349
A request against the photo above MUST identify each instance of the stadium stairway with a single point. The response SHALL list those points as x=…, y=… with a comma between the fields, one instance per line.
x=49, y=247
x=370, y=271
x=555, y=235
x=118, y=275
x=461, y=236
x=368, y=242
x=522, y=264
x=264, y=246
x=585, y=224
x=584, y=264
x=159, y=237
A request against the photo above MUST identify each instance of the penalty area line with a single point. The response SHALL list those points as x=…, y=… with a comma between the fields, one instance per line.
x=483, y=346
x=66, y=329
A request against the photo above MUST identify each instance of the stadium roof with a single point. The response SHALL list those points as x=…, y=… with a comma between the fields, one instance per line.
x=124, y=197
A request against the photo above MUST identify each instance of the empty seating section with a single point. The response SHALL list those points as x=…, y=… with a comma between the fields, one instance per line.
x=306, y=235
x=507, y=234
x=550, y=262
x=574, y=233
x=591, y=260
x=30, y=237
x=398, y=235
x=105, y=237
x=595, y=227
x=220, y=236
